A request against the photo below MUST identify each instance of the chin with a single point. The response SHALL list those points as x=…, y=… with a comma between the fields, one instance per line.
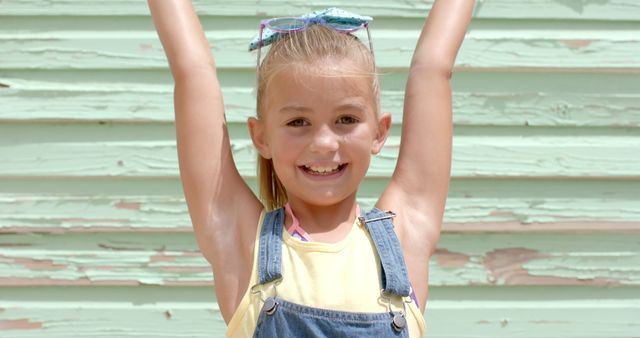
x=326, y=198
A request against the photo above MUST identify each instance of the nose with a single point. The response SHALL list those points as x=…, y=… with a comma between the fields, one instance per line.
x=324, y=140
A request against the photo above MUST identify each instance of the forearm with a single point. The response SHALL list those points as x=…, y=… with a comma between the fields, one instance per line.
x=442, y=34
x=181, y=35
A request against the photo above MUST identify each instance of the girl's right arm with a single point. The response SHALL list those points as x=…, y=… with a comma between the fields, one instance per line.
x=223, y=209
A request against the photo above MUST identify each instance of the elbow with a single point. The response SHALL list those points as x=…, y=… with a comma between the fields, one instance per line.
x=185, y=69
x=431, y=67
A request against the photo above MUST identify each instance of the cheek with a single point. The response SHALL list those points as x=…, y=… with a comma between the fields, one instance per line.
x=285, y=148
x=360, y=137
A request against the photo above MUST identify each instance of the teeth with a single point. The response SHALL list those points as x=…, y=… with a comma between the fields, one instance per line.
x=322, y=170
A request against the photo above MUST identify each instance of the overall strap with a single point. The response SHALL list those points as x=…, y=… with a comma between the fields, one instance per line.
x=270, y=246
x=395, y=279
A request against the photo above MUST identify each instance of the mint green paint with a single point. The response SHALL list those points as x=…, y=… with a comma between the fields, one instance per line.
x=545, y=183
x=461, y=259
x=453, y=312
x=142, y=102
x=156, y=213
x=473, y=156
x=504, y=9
x=591, y=51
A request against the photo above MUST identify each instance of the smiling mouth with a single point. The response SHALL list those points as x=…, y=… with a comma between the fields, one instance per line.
x=323, y=171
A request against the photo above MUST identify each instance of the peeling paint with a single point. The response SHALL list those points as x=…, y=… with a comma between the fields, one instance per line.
x=506, y=266
x=191, y=254
x=19, y=324
x=36, y=264
x=84, y=281
x=449, y=259
x=128, y=205
x=184, y=269
x=161, y=257
x=576, y=44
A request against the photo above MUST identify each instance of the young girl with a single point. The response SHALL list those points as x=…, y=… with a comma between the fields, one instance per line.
x=304, y=260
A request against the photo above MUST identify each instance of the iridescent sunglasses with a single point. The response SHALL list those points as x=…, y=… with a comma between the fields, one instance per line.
x=271, y=30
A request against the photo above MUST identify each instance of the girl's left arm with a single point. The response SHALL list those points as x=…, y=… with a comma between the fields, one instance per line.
x=419, y=185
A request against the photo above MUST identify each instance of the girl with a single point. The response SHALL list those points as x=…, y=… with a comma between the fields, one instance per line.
x=305, y=260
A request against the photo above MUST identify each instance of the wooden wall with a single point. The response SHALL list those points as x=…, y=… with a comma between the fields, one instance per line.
x=542, y=233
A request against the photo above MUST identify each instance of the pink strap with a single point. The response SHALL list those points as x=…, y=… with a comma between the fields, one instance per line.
x=295, y=226
x=297, y=229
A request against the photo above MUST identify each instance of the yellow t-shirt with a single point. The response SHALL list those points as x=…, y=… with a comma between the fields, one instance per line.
x=343, y=276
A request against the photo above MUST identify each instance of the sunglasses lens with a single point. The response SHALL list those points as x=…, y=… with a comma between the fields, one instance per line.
x=286, y=24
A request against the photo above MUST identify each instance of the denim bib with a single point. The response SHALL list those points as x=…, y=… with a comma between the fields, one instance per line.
x=280, y=318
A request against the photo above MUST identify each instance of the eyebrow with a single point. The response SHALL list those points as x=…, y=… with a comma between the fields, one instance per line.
x=295, y=109
x=303, y=109
x=351, y=106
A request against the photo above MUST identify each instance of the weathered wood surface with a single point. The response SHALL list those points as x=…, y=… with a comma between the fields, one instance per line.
x=473, y=156
x=503, y=9
x=469, y=312
x=593, y=51
x=90, y=212
x=541, y=234
x=27, y=101
x=131, y=258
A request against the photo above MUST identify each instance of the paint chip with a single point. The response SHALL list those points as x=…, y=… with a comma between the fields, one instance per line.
x=19, y=324
x=576, y=44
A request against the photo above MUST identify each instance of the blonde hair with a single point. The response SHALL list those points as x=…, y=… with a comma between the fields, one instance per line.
x=317, y=43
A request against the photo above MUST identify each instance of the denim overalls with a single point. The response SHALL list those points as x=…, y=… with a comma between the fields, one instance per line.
x=280, y=318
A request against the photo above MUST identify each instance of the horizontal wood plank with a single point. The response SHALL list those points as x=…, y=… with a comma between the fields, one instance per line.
x=461, y=259
x=473, y=156
x=565, y=50
x=541, y=225
x=26, y=101
x=469, y=312
x=86, y=213
x=509, y=9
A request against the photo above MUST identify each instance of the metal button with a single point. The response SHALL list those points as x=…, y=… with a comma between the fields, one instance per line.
x=399, y=322
x=270, y=305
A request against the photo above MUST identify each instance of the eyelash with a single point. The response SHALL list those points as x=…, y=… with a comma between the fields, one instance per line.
x=351, y=119
x=296, y=122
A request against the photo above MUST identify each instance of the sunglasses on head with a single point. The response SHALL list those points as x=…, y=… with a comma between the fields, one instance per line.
x=270, y=30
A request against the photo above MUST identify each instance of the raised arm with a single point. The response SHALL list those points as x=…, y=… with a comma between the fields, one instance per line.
x=224, y=211
x=419, y=185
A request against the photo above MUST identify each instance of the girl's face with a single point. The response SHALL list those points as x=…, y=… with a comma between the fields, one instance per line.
x=320, y=131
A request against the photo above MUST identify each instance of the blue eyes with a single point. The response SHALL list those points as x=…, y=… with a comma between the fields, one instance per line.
x=345, y=119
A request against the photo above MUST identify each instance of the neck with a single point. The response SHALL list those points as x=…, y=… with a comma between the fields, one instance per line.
x=325, y=222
